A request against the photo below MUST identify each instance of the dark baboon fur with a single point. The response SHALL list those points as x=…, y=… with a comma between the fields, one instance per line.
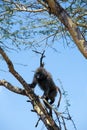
x=46, y=83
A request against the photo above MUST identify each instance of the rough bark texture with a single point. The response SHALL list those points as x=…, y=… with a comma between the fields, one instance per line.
x=63, y=16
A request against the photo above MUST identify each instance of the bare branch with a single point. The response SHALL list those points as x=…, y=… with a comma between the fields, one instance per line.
x=32, y=11
x=12, y=70
x=84, y=25
x=21, y=7
x=12, y=88
x=42, y=56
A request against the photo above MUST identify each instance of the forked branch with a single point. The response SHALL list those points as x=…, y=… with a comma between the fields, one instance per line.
x=41, y=58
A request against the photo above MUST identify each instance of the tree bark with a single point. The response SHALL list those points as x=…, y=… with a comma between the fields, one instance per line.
x=57, y=10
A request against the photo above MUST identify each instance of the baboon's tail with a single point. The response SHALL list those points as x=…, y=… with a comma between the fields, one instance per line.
x=59, y=97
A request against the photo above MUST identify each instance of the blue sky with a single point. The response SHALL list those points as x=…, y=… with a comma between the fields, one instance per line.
x=69, y=66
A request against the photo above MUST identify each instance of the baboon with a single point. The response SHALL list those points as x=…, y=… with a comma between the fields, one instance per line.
x=46, y=83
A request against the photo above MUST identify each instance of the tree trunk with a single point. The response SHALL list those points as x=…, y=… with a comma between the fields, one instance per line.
x=56, y=9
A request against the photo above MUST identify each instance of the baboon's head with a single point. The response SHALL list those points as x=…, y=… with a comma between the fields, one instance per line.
x=41, y=74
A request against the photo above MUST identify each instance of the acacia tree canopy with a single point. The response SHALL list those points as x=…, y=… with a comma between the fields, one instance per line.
x=21, y=22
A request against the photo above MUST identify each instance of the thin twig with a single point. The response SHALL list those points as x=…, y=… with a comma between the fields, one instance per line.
x=37, y=122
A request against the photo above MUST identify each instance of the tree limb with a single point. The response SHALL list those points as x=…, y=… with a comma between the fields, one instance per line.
x=84, y=25
x=12, y=88
x=12, y=70
x=57, y=10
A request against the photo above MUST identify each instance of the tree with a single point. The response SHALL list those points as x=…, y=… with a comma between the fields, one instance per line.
x=18, y=32
x=72, y=23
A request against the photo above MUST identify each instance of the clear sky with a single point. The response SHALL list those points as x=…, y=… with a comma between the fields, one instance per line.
x=69, y=66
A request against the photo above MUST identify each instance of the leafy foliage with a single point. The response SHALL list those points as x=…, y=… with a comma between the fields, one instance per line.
x=21, y=24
